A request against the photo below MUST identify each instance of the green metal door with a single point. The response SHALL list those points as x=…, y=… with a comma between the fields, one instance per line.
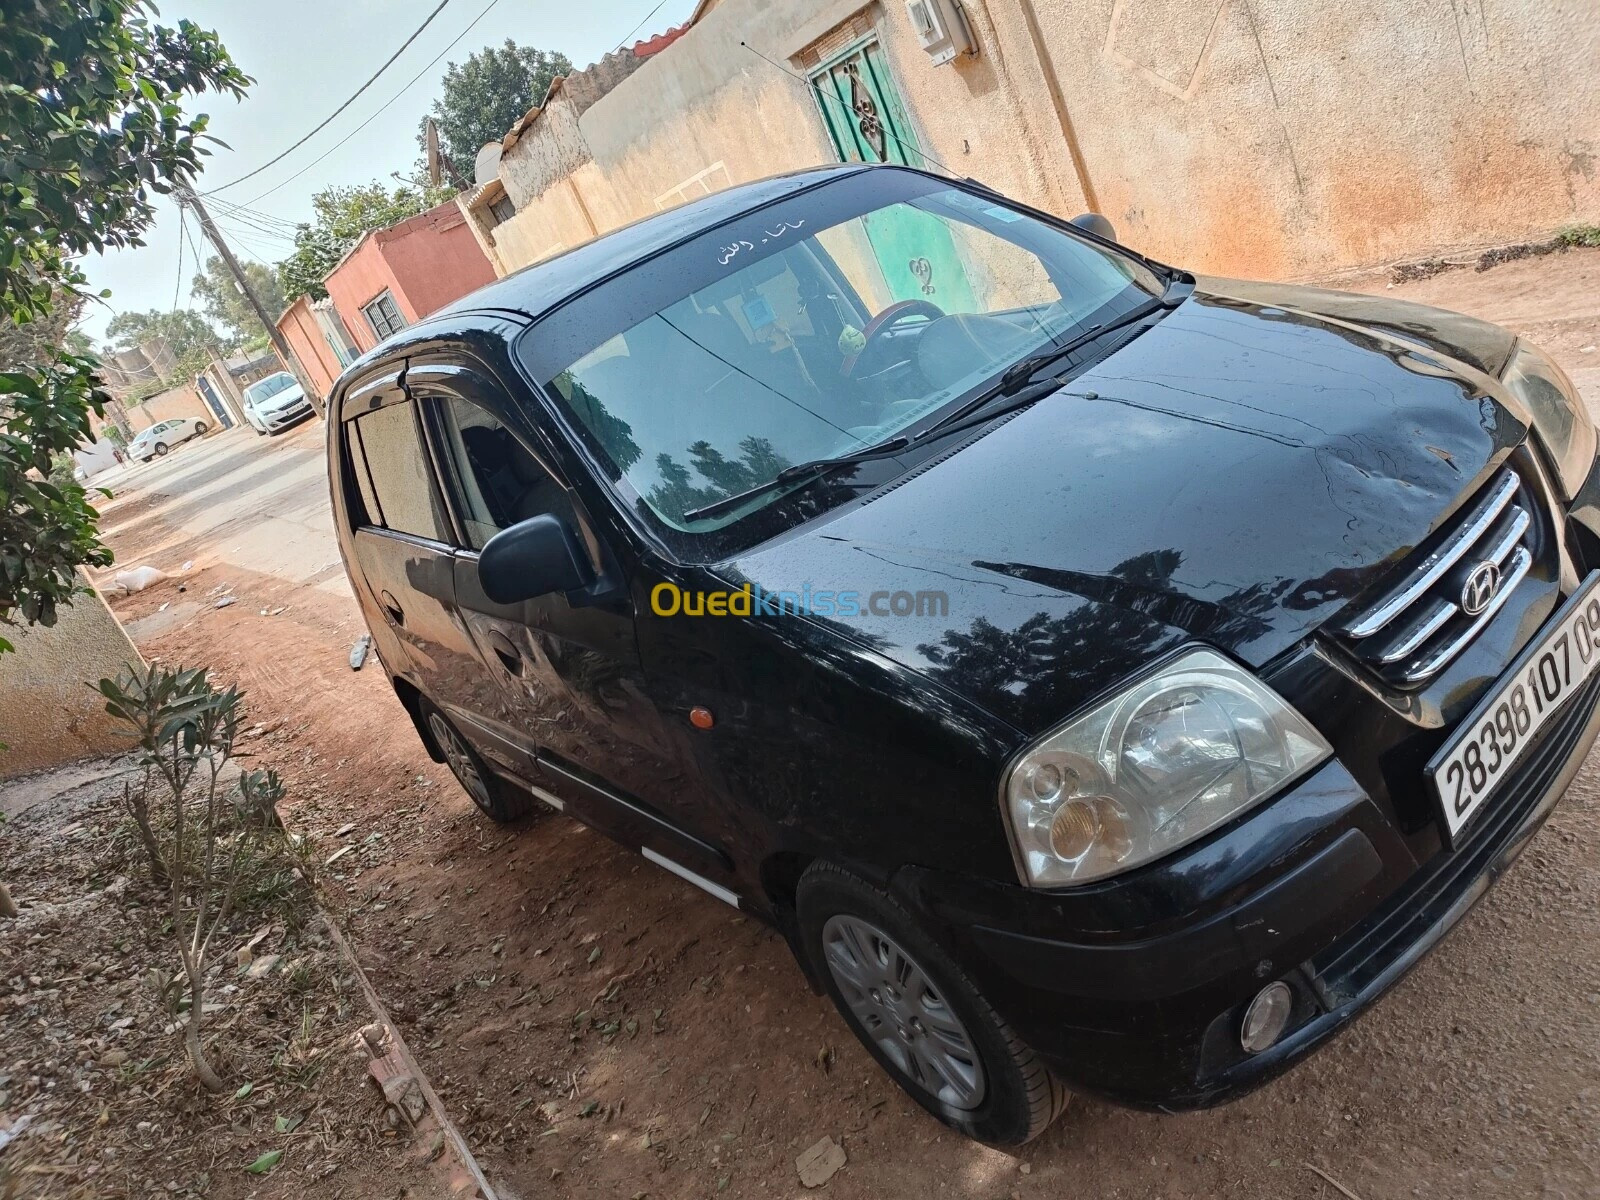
x=867, y=123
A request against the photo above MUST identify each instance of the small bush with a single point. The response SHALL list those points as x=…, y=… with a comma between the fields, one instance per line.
x=211, y=835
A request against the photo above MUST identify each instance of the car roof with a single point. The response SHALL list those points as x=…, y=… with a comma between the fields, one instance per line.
x=535, y=289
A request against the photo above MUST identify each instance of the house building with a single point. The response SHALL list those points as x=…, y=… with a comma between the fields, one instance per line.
x=319, y=338
x=1275, y=140
x=394, y=277
x=389, y=279
x=124, y=371
x=184, y=400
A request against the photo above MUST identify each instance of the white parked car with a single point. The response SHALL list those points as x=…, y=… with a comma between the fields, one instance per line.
x=163, y=435
x=275, y=403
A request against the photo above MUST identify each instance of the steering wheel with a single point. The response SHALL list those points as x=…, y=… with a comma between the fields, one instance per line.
x=885, y=321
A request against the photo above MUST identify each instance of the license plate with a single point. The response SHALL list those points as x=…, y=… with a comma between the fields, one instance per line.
x=1488, y=744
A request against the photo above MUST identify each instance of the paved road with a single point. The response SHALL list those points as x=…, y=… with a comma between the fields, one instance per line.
x=253, y=502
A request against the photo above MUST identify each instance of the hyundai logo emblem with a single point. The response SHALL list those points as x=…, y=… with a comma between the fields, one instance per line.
x=1480, y=589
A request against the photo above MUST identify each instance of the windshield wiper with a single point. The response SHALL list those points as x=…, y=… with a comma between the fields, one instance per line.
x=800, y=471
x=1015, y=383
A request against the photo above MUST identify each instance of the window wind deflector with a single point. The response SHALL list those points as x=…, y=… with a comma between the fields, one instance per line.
x=797, y=473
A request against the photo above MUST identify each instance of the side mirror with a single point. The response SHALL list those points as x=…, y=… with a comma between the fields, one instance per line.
x=1096, y=224
x=533, y=558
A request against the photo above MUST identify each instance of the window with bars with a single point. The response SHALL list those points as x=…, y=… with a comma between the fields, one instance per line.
x=502, y=210
x=384, y=315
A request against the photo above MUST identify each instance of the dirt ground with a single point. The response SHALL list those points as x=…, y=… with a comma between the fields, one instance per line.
x=94, y=1081
x=599, y=1028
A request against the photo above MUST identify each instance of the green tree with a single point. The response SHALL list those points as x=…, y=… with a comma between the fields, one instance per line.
x=182, y=329
x=484, y=96
x=37, y=340
x=91, y=127
x=342, y=215
x=225, y=303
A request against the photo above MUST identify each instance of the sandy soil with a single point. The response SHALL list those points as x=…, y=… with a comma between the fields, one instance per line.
x=93, y=1075
x=600, y=1029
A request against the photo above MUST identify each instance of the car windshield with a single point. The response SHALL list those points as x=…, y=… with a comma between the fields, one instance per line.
x=814, y=329
x=265, y=389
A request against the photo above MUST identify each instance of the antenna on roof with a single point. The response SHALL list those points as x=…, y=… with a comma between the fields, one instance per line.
x=434, y=176
x=439, y=163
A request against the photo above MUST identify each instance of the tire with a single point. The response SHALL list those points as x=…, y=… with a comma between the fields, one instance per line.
x=161, y=448
x=200, y=428
x=499, y=800
x=977, y=1076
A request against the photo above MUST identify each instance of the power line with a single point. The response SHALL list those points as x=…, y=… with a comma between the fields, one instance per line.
x=342, y=107
x=193, y=248
x=178, y=286
x=255, y=215
x=374, y=116
x=637, y=27
x=253, y=233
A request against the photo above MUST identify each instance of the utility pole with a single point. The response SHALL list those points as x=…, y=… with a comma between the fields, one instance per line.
x=187, y=196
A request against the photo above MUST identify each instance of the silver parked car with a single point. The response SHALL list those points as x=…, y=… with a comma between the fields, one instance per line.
x=163, y=435
x=275, y=403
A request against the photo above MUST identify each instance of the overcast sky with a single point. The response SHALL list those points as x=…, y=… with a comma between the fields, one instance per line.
x=307, y=57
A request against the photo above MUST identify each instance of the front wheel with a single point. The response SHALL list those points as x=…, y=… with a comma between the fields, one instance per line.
x=919, y=1015
x=498, y=800
x=200, y=428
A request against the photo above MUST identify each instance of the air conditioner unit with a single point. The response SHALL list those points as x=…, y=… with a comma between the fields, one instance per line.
x=941, y=26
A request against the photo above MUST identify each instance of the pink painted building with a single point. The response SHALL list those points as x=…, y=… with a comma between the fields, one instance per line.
x=394, y=277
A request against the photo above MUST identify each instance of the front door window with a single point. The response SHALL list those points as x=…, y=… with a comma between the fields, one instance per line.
x=493, y=479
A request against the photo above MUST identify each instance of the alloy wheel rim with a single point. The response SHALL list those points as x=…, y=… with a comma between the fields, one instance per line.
x=461, y=764
x=896, y=1003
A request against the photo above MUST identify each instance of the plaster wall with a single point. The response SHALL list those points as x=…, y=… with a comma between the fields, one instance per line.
x=435, y=260
x=300, y=330
x=47, y=715
x=1297, y=137
x=164, y=406
x=1231, y=136
x=424, y=262
x=357, y=281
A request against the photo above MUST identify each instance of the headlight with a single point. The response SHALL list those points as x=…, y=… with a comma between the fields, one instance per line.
x=1170, y=758
x=1560, y=421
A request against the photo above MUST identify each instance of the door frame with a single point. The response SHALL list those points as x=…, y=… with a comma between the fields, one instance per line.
x=900, y=131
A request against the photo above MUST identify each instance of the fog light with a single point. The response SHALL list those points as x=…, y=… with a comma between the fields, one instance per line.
x=1266, y=1018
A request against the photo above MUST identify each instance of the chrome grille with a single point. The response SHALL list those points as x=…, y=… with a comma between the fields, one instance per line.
x=1416, y=628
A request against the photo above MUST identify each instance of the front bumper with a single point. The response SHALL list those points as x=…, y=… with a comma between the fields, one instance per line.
x=285, y=417
x=1134, y=988
x=1154, y=1023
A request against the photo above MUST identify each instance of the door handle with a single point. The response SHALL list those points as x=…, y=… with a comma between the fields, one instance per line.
x=510, y=657
x=392, y=607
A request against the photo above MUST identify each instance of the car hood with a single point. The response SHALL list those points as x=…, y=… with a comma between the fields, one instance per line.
x=1235, y=475
x=284, y=399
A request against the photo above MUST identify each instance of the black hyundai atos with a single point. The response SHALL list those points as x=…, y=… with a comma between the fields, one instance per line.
x=1105, y=678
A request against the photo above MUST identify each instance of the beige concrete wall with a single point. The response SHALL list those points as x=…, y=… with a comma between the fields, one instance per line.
x=47, y=714
x=164, y=406
x=1300, y=136
x=1231, y=136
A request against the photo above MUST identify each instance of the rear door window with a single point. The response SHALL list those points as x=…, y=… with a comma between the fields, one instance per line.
x=392, y=474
